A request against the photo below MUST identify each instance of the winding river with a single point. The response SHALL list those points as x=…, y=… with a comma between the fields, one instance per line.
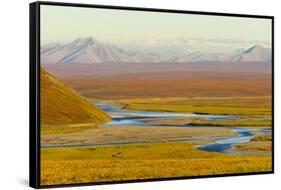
x=133, y=118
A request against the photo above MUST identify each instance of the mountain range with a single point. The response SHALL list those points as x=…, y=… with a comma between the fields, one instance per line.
x=89, y=50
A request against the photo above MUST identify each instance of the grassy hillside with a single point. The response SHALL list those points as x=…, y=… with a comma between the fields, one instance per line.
x=61, y=105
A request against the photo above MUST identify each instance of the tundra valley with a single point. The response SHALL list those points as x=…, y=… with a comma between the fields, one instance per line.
x=110, y=114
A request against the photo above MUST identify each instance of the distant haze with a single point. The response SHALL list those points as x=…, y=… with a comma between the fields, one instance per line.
x=123, y=27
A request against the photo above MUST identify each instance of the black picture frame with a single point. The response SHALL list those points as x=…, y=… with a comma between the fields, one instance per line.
x=34, y=93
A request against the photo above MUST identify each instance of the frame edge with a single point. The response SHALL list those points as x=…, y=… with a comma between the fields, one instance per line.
x=35, y=91
x=34, y=154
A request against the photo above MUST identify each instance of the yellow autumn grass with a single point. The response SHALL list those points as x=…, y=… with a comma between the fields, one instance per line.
x=254, y=111
x=262, y=138
x=259, y=105
x=62, y=105
x=142, y=161
x=236, y=123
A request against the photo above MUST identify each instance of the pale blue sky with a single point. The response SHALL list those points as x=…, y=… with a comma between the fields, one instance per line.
x=59, y=23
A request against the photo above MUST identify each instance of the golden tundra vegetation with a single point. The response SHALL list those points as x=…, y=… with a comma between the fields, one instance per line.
x=141, y=161
x=61, y=106
x=251, y=111
x=66, y=114
x=164, y=160
x=258, y=144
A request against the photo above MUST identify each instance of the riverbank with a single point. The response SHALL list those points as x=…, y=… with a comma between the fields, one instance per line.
x=137, y=127
x=119, y=134
x=261, y=145
x=246, y=111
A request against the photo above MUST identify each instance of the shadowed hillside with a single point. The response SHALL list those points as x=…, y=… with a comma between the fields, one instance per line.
x=60, y=104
